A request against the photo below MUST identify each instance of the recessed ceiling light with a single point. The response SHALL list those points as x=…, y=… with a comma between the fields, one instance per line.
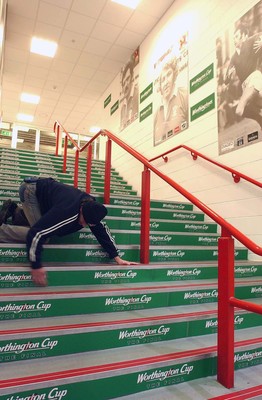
x=30, y=98
x=43, y=47
x=25, y=117
x=128, y=3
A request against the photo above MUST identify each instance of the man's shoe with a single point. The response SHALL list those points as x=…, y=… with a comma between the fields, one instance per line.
x=7, y=210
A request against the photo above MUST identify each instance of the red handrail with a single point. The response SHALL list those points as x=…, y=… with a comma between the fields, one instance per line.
x=226, y=300
x=235, y=174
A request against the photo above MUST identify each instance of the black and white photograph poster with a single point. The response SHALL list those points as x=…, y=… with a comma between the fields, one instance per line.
x=239, y=82
x=171, y=89
x=129, y=95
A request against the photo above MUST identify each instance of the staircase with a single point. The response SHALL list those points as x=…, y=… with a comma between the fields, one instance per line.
x=101, y=331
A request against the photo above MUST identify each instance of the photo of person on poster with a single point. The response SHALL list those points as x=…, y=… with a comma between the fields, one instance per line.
x=129, y=92
x=172, y=114
x=246, y=64
x=239, y=82
x=170, y=103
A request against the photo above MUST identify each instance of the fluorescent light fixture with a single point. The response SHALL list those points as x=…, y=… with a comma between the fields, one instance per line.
x=43, y=47
x=94, y=129
x=25, y=117
x=128, y=3
x=30, y=98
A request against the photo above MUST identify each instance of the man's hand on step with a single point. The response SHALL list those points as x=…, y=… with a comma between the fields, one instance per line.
x=39, y=276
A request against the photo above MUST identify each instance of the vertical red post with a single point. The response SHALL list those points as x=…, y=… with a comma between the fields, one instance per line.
x=88, y=168
x=108, y=172
x=145, y=217
x=225, y=344
x=57, y=131
x=65, y=154
x=76, y=169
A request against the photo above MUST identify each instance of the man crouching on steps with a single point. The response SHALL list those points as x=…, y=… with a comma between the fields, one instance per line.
x=55, y=209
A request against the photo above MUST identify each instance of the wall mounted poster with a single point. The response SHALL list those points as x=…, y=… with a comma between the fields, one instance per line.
x=129, y=95
x=170, y=103
x=239, y=82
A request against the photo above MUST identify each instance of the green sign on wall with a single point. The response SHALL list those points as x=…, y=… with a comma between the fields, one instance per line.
x=203, y=77
x=114, y=107
x=146, y=92
x=146, y=112
x=107, y=101
x=203, y=107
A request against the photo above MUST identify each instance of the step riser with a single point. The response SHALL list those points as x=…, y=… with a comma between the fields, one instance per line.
x=170, y=239
x=19, y=173
x=47, y=306
x=75, y=277
x=90, y=254
x=162, y=226
x=65, y=179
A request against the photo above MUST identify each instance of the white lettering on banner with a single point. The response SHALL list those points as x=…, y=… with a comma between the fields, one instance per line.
x=123, y=301
x=207, y=239
x=98, y=253
x=13, y=253
x=15, y=308
x=215, y=253
x=86, y=235
x=8, y=193
x=57, y=394
x=245, y=270
x=49, y=344
x=54, y=394
x=164, y=238
x=174, y=206
x=154, y=225
x=126, y=203
x=15, y=278
x=30, y=397
x=131, y=212
x=168, y=254
x=199, y=295
x=141, y=334
x=248, y=356
x=159, y=375
x=42, y=306
x=202, y=108
x=16, y=348
x=208, y=72
x=185, y=272
x=115, y=275
x=184, y=216
x=135, y=224
x=214, y=323
x=256, y=289
x=195, y=227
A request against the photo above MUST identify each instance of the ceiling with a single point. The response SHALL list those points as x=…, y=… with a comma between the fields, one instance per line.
x=95, y=39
